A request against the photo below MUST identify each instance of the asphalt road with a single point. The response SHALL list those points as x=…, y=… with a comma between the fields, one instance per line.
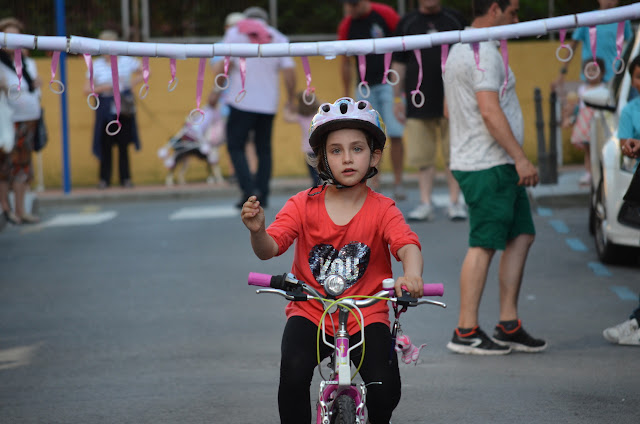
x=139, y=312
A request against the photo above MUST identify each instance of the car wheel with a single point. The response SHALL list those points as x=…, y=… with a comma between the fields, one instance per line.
x=608, y=253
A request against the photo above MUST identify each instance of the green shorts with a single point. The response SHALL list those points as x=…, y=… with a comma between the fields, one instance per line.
x=499, y=208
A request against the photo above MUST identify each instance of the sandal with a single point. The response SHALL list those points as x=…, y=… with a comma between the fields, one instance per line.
x=11, y=217
x=27, y=218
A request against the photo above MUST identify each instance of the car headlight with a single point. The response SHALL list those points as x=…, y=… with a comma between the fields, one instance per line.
x=334, y=285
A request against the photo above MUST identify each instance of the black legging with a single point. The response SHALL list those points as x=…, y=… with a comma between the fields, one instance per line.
x=299, y=361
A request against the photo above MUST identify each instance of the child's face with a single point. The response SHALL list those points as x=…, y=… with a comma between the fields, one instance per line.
x=635, y=78
x=349, y=156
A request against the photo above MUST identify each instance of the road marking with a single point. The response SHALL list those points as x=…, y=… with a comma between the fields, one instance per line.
x=559, y=226
x=624, y=293
x=72, y=219
x=205, y=212
x=599, y=269
x=17, y=356
x=545, y=212
x=576, y=244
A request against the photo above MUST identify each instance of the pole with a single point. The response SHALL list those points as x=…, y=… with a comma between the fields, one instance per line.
x=61, y=29
x=542, y=148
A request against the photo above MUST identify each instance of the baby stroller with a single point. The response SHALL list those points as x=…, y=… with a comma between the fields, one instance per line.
x=200, y=141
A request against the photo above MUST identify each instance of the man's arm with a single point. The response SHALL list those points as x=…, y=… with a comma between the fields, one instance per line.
x=499, y=128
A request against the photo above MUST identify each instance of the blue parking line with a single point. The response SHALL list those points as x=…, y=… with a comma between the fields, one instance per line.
x=576, y=244
x=559, y=226
x=599, y=269
x=545, y=212
x=624, y=293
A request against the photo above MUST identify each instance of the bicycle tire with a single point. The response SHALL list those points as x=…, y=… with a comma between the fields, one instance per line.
x=344, y=410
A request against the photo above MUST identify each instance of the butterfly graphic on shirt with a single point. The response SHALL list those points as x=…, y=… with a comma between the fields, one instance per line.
x=350, y=262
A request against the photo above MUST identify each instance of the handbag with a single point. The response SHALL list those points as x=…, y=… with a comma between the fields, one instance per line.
x=7, y=130
x=41, y=136
x=127, y=104
x=630, y=210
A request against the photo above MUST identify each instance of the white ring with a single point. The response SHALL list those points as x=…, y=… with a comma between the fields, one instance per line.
x=588, y=73
x=95, y=96
x=393, y=72
x=413, y=98
x=364, y=90
x=60, y=89
x=566, y=59
x=196, y=121
x=241, y=95
x=171, y=87
x=226, y=82
x=618, y=70
x=144, y=90
x=308, y=101
x=14, y=88
x=112, y=133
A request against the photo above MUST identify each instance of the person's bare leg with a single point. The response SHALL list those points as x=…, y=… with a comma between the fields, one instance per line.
x=425, y=183
x=454, y=188
x=397, y=159
x=511, y=270
x=19, y=191
x=473, y=278
x=4, y=196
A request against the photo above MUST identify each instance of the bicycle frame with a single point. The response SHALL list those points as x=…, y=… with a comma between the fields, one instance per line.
x=340, y=383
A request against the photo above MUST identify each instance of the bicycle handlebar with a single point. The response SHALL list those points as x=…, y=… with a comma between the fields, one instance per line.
x=287, y=282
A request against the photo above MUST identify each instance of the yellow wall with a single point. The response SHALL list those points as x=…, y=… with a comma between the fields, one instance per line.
x=161, y=114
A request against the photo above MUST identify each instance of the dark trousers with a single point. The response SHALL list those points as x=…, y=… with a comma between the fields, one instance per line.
x=299, y=361
x=239, y=124
x=106, y=153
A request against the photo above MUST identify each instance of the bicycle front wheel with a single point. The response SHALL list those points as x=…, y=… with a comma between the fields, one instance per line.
x=344, y=410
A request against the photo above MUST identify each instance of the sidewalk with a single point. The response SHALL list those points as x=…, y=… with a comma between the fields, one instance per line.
x=567, y=192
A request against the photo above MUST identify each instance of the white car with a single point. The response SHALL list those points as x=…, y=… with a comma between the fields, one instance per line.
x=612, y=171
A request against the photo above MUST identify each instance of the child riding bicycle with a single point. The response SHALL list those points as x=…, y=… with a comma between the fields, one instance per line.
x=342, y=228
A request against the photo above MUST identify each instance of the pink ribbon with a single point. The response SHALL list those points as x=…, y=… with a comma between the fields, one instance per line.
x=387, y=65
x=505, y=59
x=593, y=40
x=17, y=59
x=227, y=60
x=563, y=35
x=476, y=55
x=362, y=67
x=619, y=43
x=55, y=58
x=307, y=73
x=444, y=54
x=202, y=65
x=243, y=75
x=172, y=68
x=145, y=70
x=89, y=62
x=415, y=93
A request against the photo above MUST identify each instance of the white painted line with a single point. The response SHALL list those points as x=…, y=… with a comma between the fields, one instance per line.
x=72, y=219
x=205, y=212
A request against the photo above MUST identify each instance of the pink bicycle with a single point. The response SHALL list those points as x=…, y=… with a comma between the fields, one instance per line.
x=340, y=400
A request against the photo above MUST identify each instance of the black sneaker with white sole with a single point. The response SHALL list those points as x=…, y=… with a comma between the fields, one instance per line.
x=475, y=342
x=518, y=339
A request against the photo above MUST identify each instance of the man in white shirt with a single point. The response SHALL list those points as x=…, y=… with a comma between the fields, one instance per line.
x=487, y=159
x=256, y=108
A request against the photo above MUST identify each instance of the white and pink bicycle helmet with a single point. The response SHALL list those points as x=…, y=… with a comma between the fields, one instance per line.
x=347, y=113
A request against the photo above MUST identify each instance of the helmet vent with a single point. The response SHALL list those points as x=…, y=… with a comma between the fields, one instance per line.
x=343, y=108
x=326, y=107
x=362, y=105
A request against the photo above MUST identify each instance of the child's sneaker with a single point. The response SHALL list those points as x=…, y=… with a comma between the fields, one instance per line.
x=626, y=333
x=518, y=339
x=476, y=342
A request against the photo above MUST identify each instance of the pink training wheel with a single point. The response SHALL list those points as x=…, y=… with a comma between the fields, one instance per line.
x=364, y=90
x=392, y=81
x=144, y=90
x=97, y=101
x=172, y=84
x=224, y=85
x=569, y=53
x=56, y=86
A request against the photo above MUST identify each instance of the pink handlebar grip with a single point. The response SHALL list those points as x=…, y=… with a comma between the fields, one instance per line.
x=433, y=289
x=429, y=289
x=258, y=279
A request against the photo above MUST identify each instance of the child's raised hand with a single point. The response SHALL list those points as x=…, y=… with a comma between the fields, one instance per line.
x=411, y=283
x=252, y=214
x=631, y=148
